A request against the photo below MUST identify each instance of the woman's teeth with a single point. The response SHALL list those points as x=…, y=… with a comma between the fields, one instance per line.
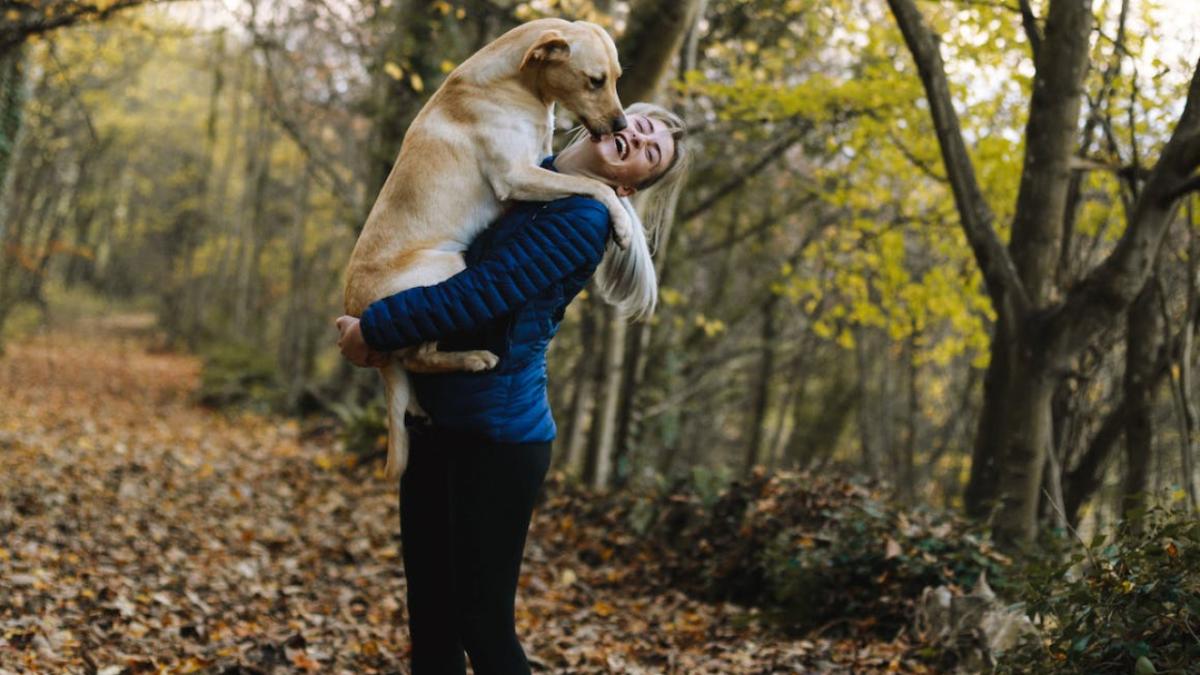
x=621, y=146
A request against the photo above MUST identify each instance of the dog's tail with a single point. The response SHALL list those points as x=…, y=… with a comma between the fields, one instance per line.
x=397, y=392
x=626, y=277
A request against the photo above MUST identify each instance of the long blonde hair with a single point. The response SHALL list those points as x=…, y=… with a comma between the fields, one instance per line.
x=626, y=278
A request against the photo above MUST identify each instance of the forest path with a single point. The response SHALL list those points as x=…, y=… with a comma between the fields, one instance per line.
x=141, y=533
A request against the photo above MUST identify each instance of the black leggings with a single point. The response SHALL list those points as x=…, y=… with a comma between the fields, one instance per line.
x=465, y=506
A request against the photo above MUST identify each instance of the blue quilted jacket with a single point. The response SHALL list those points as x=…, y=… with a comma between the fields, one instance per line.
x=521, y=274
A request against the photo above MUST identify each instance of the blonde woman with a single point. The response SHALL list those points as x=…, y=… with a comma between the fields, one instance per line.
x=476, y=465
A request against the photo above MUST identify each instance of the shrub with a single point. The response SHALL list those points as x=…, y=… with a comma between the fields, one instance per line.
x=811, y=552
x=1126, y=605
x=239, y=375
x=816, y=551
x=363, y=427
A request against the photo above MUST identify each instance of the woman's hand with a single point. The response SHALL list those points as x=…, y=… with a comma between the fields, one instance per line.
x=355, y=348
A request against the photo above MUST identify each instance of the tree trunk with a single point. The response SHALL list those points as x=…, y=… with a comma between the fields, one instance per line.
x=583, y=398
x=1081, y=483
x=653, y=35
x=908, y=467
x=295, y=338
x=1188, y=417
x=762, y=386
x=629, y=418
x=597, y=377
x=1143, y=340
x=1026, y=442
x=12, y=102
x=600, y=465
x=869, y=454
x=1045, y=333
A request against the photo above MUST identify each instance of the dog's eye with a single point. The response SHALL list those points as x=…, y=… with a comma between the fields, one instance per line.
x=597, y=82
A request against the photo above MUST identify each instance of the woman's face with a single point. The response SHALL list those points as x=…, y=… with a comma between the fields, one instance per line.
x=631, y=156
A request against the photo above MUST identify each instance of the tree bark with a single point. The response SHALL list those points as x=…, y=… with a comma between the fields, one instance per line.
x=908, y=465
x=762, y=386
x=866, y=421
x=583, y=398
x=600, y=448
x=12, y=102
x=296, y=334
x=1189, y=419
x=652, y=37
x=1044, y=335
x=1143, y=340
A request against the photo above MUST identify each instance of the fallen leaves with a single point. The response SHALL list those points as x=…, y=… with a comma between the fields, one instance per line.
x=140, y=533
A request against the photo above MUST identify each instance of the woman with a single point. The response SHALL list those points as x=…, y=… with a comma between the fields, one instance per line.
x=474, y=471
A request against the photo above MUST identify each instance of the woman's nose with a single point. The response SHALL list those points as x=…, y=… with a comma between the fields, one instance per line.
x=636, y=139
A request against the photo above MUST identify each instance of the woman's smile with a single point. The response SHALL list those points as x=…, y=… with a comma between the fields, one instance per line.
x=622, y=146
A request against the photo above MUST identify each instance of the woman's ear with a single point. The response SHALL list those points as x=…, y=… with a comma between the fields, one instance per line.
x=625, y=191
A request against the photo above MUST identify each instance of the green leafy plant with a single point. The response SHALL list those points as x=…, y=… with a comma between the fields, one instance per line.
x=238, y=375
x=363, y=427
x=1129, y=604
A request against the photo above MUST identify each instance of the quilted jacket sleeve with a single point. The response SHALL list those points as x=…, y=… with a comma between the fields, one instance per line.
x=566, y=235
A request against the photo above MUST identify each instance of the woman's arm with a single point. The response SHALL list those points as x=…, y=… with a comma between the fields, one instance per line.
x=566, y=236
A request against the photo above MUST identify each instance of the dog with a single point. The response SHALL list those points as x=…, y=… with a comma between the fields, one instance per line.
x=474, y=145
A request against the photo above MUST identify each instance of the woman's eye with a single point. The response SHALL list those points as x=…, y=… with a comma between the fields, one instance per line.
x=597, y=82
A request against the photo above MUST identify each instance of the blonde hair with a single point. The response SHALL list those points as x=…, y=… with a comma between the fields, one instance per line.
x=626, y=278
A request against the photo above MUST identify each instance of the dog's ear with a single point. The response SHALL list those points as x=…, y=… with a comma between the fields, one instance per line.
x=550, y=47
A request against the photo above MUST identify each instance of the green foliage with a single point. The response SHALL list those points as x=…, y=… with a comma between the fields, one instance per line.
x=1126, y=605
x=238, y=375
x=870, y=561
x=363, y=426
x=810, y=550
x=708, y=483
x=22, y=319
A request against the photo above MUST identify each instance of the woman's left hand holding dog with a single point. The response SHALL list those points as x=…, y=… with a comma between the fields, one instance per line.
x=355, y=348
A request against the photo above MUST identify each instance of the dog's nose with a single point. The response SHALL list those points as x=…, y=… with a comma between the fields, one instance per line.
x=618, y=123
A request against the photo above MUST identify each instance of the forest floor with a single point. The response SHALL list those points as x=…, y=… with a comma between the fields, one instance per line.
x=141, y=533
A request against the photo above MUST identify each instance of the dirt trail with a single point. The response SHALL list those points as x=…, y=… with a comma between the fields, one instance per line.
x=141, y=533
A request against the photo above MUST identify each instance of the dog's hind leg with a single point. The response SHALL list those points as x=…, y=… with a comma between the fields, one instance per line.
x=397, y=392
x=427, y=359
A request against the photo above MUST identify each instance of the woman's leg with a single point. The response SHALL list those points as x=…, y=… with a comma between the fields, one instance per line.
x=425, y=527
x=495, y=486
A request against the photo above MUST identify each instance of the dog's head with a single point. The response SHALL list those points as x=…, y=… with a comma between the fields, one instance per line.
x=579, y=70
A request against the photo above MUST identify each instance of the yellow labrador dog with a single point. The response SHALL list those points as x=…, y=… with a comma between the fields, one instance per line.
x=475, y=144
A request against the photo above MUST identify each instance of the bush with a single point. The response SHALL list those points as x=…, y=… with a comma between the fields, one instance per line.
x=237, y=375
x=811, y=552
x=363, y=427
x=1130, y=605
x=824, y=553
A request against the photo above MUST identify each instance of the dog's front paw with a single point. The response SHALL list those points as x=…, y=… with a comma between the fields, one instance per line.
x=622, y=229
x=480, y=360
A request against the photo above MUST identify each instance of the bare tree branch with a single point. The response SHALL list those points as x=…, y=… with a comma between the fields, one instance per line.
x=37, y=18
x=999, y=273
x=1188, y=186
x=1113, y=284
x=741, y=176
x=1029, y=22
